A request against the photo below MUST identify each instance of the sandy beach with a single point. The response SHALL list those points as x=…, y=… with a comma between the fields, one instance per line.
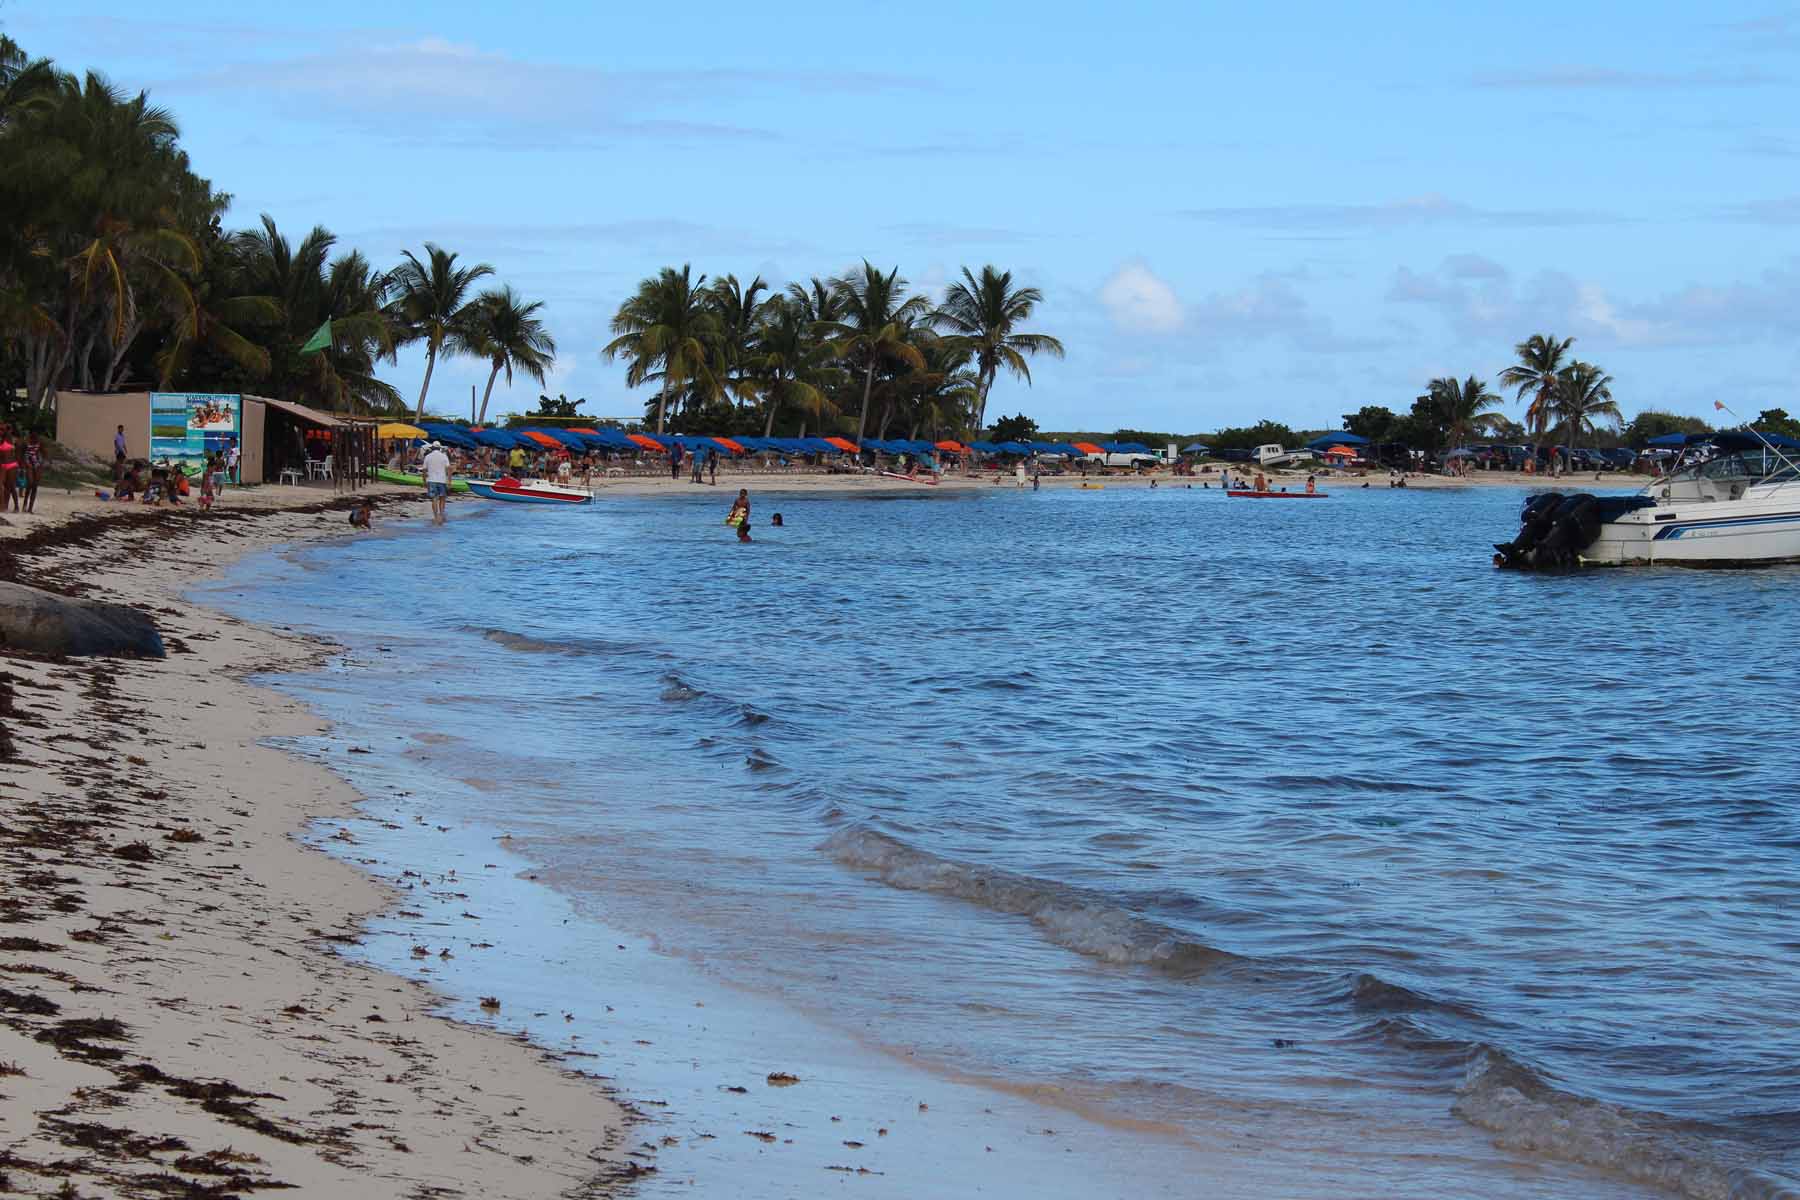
x=174, y=1013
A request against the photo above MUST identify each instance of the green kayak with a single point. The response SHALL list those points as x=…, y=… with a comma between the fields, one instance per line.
x=387, y=476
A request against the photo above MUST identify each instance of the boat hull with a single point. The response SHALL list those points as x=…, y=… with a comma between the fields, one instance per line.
x=526, y=493
x=1725, y=534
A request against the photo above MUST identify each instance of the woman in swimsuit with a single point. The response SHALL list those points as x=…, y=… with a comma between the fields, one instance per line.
x=9, y=470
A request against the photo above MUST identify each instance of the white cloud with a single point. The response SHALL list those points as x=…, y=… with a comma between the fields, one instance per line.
x=1140, y=301
x=432, y=89
x=1407, y=212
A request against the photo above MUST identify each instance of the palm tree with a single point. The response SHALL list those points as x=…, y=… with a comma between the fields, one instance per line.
x=308, y=288
x=1540, y=358
x=1463, y=407
x=1584, y=400
x=786, y=363
x=984, y=314
x=507, y=332
x=740, y=316
x=945, y=393
x=666, y=330
x=27, y=85
x=875, y=326
x=431, y=304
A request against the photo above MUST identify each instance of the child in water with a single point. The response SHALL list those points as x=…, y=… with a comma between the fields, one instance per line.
x=740, y=514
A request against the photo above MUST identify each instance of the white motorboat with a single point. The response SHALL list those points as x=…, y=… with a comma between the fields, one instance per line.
x=1731, y=500
x=530, y=491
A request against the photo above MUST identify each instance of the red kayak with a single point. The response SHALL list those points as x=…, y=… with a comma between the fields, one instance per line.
x=1280, y=495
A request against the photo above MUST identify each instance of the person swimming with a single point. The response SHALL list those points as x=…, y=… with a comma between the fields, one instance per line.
x=775, y=520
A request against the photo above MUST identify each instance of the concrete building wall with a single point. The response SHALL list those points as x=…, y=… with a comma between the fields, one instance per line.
x=88, y=422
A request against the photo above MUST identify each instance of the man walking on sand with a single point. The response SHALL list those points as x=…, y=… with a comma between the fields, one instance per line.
x=437, y=481
x=118, y=456
x=675, y=463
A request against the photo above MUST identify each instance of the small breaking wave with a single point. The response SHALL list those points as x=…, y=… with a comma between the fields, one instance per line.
x=1071, y=918
x=1524, y=1112
x=527, y=644
x=676, y=690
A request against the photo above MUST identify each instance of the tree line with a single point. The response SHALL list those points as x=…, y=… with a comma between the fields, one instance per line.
x=728, y=356
x=116, y=267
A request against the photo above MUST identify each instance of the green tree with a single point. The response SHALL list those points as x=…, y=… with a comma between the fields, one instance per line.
x=739, y=316
x=787, y=361
x=1371, y=421
x=1020, y=428
x=1652, y=423
x=1461, y=408
x=1540, y=358
x=665, y=332
x=1584, y=401
x=309, y=288
x=562, y=408
x=507, y=331
x=1262, y=433
x=876, y=327
x=1776, y=420
x=431, y=304
x=984, y=314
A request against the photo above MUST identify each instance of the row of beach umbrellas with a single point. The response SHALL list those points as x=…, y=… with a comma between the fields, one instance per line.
x=583, y=439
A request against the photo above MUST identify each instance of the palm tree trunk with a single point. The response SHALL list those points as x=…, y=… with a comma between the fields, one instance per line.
x=774, y=402
x=662, y=402
x=430, y=364
x=862, y=420
x=492, y=375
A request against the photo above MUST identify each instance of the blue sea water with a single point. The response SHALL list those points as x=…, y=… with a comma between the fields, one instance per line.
x=1198, y=812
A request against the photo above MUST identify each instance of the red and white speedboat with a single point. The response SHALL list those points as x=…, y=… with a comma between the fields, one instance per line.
x=530, y=491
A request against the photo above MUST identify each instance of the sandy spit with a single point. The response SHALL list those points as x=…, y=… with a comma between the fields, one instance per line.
x=174, y=1013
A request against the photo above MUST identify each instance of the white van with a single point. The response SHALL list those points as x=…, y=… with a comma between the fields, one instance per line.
x=1132, y=461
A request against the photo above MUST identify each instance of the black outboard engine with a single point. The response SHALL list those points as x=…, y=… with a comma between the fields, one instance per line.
x=1536, y=522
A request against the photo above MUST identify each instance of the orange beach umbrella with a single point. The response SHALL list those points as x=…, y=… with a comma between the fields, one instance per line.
x=542, y=439
x=1340, y=452
x=646, y=443
x=1088, y=448
x=848, y=447
x=734, y=447
x=954, y=447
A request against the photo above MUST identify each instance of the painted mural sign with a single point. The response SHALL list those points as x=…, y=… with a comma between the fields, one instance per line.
x=185, y=427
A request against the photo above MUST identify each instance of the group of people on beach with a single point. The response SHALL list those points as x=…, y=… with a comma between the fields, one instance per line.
x=22, y=458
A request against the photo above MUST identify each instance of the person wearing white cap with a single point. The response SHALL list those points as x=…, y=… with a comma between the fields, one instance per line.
x=437, y=480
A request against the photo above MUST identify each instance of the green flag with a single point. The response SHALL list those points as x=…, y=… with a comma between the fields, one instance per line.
x=320, y=340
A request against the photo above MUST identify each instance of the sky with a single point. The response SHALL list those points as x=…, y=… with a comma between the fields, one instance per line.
x=1233, y=211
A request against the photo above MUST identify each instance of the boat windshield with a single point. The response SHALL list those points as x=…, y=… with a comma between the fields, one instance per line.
x=1758, y=466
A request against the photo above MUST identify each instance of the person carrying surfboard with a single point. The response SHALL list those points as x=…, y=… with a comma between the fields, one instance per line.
x=740, y=514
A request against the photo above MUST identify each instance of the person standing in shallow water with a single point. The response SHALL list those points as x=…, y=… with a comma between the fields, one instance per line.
x=740, y=514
